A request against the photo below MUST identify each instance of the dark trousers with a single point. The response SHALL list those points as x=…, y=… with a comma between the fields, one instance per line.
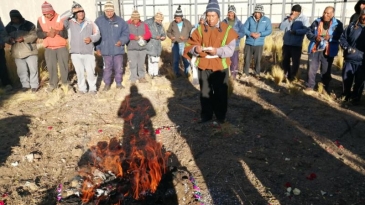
x=113, y=63
x=353, y=72
x=213, y=93
x=324, y=63
x=4, y=75
x=293, y=53
x=54, y=56
x=256, y=51
x=234, y=64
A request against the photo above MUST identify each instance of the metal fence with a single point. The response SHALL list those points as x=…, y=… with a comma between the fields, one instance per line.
x=276, y=10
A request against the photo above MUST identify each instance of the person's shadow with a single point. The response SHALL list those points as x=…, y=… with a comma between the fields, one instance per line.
x=12, y=128
x=140, y=163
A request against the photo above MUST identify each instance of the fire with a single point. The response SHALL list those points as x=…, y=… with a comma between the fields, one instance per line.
x=135, y=166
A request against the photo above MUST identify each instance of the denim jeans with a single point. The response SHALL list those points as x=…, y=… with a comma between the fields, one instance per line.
x=177, y=52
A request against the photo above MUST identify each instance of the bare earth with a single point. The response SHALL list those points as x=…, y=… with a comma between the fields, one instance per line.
x=275, y=137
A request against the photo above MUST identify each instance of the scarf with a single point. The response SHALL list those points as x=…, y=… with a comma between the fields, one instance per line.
x=319, y=34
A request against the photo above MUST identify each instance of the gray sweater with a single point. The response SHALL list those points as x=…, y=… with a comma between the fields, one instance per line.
x=78, y=32
x=173, y=31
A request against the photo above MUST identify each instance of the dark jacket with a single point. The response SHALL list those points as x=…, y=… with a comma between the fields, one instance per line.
x=353, y=38
x=334, y=31
x=27, y=30
x=112, y=30
x=357, y=9
x=173, y=31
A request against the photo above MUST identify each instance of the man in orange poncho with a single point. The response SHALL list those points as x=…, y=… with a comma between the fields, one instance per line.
x=213, y=43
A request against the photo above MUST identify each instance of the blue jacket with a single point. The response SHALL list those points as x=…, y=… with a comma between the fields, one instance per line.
x=350, y=38
x=263, y=26
x=112, y=30
x=334, y=32
x=299, y=26
x=238, y=27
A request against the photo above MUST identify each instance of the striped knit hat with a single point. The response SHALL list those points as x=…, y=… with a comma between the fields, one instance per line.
x=108, y=6
x=159, y=16
x=135, y=15
x=76, y=7
x=231, y=8
x=213, y=6
x=178, y=12
x=47, y=8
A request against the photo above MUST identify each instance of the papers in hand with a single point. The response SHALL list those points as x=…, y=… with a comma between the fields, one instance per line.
x=207, y=48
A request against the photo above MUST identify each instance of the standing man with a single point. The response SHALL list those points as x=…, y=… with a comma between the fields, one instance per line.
x=22, y=36
x=324, y=35
x=179, y=32
x=256, y=28
x=154, y=47
x=4, y=76
x=83, y=33
x=295, y=26
x=353, y=44
x=213, y=43
x=237, y=25
x=50, y=28
x=139, y=34
x=360, y=5
x=114, y=35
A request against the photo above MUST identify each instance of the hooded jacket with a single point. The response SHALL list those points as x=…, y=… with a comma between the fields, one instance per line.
x=352, y=38
x=357, y=9
x=263, y=26
x=299, y=25
x=154, y=47
x=27, y=30
x=334, y=31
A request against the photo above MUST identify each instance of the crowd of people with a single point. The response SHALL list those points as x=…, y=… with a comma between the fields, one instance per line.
x=210, y=48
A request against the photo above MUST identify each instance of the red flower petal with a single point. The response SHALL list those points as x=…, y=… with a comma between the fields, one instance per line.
x=157, y=132
x=50, y=127
x=100, y=131
x=287, y=185
x=312, y=176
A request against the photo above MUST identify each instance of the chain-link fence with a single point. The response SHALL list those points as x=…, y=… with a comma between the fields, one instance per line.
x=276, y=10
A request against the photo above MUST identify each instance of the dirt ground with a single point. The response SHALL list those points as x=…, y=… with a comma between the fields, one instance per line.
x=276, y=137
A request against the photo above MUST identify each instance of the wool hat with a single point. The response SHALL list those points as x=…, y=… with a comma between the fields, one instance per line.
x=213, y=6
x=15, y=13
x=108, y=6
x=178, y=12
x=259, y=9
x=76, y=7
x=159, y=16
x=135, y=15
x=297, y=8
x=231, y=8
x=47, y=8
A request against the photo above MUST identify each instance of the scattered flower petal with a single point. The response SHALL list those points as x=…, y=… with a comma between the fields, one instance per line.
x=312, y=176
x=100, y=131
x=287, y=184
x=288, y=189
x=50, y=127
x=323, y=193
x=296, y=191
x=14, y=164
x=157, y=132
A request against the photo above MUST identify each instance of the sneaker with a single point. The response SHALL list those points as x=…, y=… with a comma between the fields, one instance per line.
x=93, y=92
x=34, y=90
x=120, y=87
x=106, y=88
x=142, y=80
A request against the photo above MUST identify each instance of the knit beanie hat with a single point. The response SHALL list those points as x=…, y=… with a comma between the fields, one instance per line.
x=259, y=9
x=76, y=7
x=231, y=8
x=178, y=12
x=108, y=6
x=297, y=8
x=213, y=6
x=159, y=16
x=15, y=13
x=47, y=8
x=135, y=15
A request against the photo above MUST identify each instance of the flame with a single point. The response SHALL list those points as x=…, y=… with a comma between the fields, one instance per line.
x=139, y=162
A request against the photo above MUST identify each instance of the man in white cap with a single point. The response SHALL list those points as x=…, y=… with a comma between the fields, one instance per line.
x=256, y=27
x=114, y=35
x=179, y=32
x=237, y=25
x=213, y=44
